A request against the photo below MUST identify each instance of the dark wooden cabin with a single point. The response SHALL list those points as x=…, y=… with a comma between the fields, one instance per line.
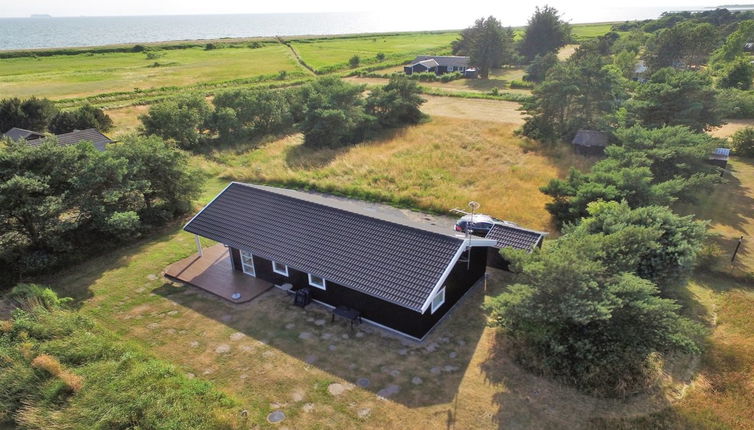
x=590, y=142
x=508, y=235
x=397, y=273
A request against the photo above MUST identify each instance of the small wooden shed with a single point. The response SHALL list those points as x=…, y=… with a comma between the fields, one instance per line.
x=589, y=142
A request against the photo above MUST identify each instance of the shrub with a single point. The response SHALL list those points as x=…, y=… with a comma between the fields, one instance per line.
x=734, y=103
x=380, y=56
x=154, y=54
x=82, y=118
x=742, y=142
x=255, y=45
x=737, y=74
x=182, y=120
x=519, y=84
x=354, y=61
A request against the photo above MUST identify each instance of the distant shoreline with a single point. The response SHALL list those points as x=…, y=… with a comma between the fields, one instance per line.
x=94, y=48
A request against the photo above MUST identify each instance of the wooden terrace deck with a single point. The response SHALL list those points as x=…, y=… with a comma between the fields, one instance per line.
x=213, y=272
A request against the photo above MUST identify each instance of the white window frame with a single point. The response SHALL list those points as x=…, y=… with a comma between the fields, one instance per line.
x=283, y=272
x=441, y=294
x=322, y=286
x=247, y=268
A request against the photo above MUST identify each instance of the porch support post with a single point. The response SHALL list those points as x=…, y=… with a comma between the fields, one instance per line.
x=198, y=245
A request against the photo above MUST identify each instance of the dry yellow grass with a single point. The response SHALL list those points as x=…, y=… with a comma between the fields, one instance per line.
x=126, y=119
x=731, y=126
x=53, y=367
x=433, y=166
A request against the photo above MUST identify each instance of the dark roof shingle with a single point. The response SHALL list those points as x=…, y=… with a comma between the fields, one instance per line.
x=447, y=60
x=16, y=133
x=395, y=261
x=510, y=236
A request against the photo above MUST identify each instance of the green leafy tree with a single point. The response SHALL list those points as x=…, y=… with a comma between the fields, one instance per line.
x=254, y=112
x=742, y=142
x=335, y=114
x=488, y=44
x=579, y=93
x=31, y=114
x=733, y=47
x=82, y=118
x=626, y=61
x=576, y=316
x=397, y=103
x=354, y=61
x=646, y=167
x=675, y=97
x=738, y=74
x=651, y=241
x=546, y=32
x=684, y=45
x=540, y=66
x=182, y=120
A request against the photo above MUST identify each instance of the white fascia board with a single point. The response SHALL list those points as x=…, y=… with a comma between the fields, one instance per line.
x=444, y=275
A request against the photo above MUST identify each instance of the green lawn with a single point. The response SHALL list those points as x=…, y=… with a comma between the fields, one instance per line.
x=86, y=74
x=319, y=53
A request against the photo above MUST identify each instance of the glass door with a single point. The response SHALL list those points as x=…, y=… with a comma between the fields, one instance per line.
x=247, y=263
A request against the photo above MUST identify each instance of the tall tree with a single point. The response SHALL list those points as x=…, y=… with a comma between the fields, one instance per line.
x=684, y=45
x=578, y=316
x=675, y=97
x=181, y=120
x=545, y=32
x=488, y=43
x=581, y=92
x=86, y=116
x=32, y=114
x=397, y=103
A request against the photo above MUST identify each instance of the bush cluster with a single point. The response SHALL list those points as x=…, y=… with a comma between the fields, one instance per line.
x=41, y=115
x=59, y=204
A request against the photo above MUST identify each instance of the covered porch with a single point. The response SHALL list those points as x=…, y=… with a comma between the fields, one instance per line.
x=212, y=271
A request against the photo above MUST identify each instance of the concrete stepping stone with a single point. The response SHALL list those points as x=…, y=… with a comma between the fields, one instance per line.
x=305, y=335
x=194, y=344
x=389, y=391
x=290, y=326
x=320, y=322
x=222, y=349
x=332, y=347
x=416, y=380
x=362, y=382
x=237, y=336
x=275, y=417
x=336, y=389
x=453, y=354
x=308, y=407
x=363, y=412
x=435, y=370
x=152, y=277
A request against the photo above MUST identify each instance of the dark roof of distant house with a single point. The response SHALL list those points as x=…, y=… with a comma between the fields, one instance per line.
x=16, y=133
x=427, y=63
x=512, y=236
x=371, y=251
x=590, y=138
x=720, y=154
x=455, y=61
x=93, y=135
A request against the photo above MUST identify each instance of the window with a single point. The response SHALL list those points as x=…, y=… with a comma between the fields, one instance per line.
x=316, y=281
x=438, y=300
x=247, y=263
x=280, y=269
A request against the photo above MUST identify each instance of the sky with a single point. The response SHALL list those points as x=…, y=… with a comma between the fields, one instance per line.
x=14, y=8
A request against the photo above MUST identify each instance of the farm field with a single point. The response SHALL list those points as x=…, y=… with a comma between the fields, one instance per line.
x=65, y=76
x=325, y=52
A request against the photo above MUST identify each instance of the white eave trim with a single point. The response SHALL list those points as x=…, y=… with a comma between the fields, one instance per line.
x=468, y=243
x=207, y=205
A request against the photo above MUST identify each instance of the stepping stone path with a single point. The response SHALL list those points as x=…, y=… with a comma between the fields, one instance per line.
x=453, y=354
x=359, y=334
x=326, y=336
x=319, y=322
x=305, y=335
x=402, y=352
x=297, y=396
x=223, y=349
x=311, y=359
x=152, y=277
x=395, y=373
x=435, y=370
x=276, y=417
x=237, y=336
x=290, y=326
x=194, y=344
x=363, y=412
x=362, y=382
x=416, y=380
x=336, y=389
x=332, y=347
x=431, y=347
x=389, y=391
x=308, y=407
x=450, y=369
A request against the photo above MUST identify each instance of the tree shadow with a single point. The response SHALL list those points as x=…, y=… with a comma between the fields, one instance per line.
x=407, y=372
